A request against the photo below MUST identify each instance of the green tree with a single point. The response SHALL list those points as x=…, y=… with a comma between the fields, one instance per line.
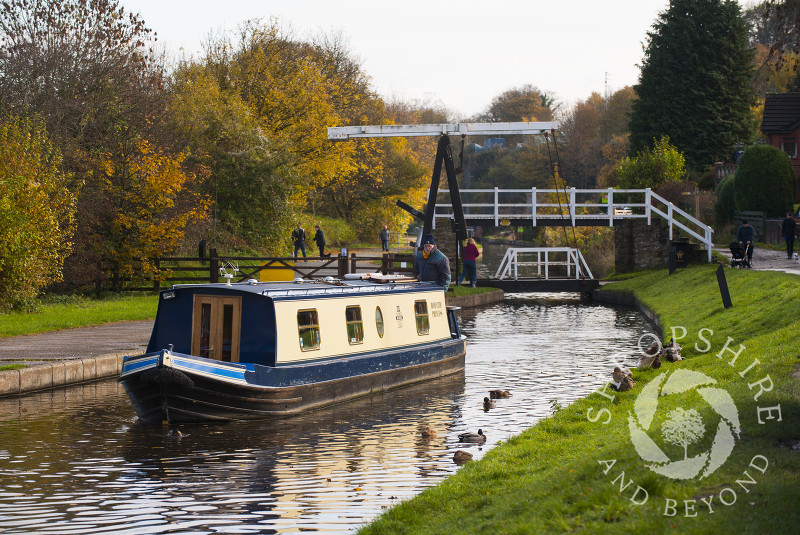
x=250, y=180
x=651, y=167
x=765, y=181
x=36, y=212
x=694, y=84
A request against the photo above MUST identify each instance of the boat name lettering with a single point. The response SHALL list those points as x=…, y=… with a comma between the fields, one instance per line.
x=437, y=313
x=437, y=304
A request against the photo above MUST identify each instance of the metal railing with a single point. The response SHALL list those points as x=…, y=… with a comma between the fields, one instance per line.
x=568, y=257
x=574, y=207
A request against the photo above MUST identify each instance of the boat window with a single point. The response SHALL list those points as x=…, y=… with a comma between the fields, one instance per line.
x=421, y=314
x=355, y=328
x=308, y=328
x=379, y=321
x=216, y=326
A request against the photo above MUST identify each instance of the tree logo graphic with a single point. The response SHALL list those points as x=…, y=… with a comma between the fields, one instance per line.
x=683, y=427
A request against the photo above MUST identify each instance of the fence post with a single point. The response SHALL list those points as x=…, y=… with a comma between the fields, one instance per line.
x=156, y=280
x=213, y=266
x=572, y=204
x=342, y=265
x=496, y=205
x=385, y=263
x=352, y=262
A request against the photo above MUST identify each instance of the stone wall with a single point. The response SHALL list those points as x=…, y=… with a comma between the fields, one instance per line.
x=638, y=245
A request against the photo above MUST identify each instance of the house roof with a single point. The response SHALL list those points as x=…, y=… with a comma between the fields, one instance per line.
x=781, y=113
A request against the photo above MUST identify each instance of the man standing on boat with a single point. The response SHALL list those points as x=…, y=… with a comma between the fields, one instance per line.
x=431, y=264
x=299, y=240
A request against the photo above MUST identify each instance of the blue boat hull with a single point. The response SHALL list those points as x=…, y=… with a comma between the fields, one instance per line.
x=179, y=388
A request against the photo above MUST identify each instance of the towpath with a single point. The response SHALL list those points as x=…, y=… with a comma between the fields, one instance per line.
x=769, y=260
x=82, y=342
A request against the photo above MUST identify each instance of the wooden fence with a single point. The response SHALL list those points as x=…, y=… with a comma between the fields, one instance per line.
x=213, y=268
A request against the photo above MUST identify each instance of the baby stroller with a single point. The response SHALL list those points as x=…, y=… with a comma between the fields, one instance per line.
x=739, y=254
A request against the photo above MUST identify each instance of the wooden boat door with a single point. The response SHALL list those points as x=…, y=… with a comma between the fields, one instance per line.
x=216, y=325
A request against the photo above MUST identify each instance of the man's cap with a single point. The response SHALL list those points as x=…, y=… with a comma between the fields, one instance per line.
x=428, y=238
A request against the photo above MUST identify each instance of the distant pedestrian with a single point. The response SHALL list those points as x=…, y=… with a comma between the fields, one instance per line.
x=319, y=239
x=746, y=235
x=431, y=264
x=385, y=239
x=788, y=230
x=299, y=240
x=470, y=254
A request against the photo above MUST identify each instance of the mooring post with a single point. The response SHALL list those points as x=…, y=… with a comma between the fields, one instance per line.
x=723, y=287
x=213, y=269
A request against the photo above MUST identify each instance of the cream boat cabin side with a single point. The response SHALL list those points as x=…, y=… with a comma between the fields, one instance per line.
x=258, y=350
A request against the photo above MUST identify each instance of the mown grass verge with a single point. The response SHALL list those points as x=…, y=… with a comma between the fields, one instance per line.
x=78, y=311
x=559, y=477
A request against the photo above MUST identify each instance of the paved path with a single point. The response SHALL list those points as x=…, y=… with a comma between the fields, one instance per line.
x=769, y=260
x=67, y=344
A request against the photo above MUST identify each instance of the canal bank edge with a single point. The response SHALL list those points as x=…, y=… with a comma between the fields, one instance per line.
x=59, y=373
x=84, y=370
x=613, y=297
x=475, y=300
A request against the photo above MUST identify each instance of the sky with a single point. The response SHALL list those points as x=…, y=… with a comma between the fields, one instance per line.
x=459, y=54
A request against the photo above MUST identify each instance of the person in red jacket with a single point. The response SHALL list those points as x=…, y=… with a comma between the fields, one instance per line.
x=470, y=253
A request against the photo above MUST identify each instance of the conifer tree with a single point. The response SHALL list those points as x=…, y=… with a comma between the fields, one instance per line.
x=694, y=82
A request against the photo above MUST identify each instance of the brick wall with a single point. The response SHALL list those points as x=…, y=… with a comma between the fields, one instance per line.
x=638, y=245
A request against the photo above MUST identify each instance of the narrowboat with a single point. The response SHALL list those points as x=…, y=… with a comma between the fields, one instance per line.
x=251, y=350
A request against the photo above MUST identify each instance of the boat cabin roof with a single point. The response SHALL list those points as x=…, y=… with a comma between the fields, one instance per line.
x=309, y=288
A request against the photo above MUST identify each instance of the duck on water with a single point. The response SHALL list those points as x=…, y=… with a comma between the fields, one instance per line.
x=253, y=350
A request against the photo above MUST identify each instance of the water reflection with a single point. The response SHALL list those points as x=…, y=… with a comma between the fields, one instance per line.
x=76, y=461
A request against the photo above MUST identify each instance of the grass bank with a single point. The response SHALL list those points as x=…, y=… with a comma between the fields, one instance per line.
x=66, y=312
x=579, y=471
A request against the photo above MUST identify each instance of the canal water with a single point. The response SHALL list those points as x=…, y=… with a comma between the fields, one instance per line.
x=75, y=461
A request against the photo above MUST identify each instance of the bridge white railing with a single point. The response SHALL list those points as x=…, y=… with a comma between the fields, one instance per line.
x=596, y=206
x=546, y=257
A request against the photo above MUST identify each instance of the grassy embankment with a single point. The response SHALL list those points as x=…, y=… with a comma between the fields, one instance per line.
x=77, y=311
x=550, y=478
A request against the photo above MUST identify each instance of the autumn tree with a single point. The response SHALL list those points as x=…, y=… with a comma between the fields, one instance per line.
x=36, y=212
x=694, y=84
x=152, y=206
x=292, y=90
x=525, y=103
x=85, y=67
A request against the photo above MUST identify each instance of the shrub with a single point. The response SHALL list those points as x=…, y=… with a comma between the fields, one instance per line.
x=764, y=181
x=651, y=167
x=724, y=207
x=36, y=213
